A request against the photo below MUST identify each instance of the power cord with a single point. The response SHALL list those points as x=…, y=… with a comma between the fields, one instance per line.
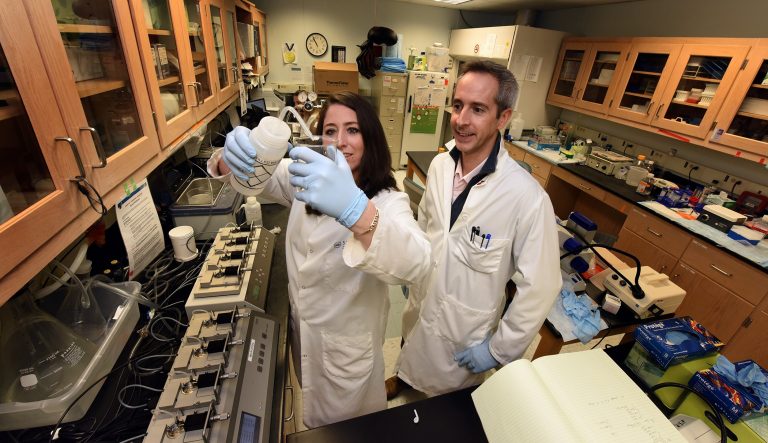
x=718, y=418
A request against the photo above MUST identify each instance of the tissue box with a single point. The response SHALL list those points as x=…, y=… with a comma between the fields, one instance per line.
x=687, y=340
x=734, y=403
x=644, y=367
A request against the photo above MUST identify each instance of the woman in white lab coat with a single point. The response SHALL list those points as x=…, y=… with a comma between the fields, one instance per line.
x=339, y=276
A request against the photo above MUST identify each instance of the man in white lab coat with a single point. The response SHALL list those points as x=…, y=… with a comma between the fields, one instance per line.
x=487, y=219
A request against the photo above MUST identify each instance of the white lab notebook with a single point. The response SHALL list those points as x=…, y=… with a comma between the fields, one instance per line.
x=572, y=397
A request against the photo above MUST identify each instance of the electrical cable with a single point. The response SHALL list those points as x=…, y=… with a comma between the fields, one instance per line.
x=598, y=342
x=125, y=405
x=466, y=23
x=718, y=418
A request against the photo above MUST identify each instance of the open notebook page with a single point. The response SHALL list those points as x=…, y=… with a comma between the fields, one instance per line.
x=514, y=405
x=602, y=401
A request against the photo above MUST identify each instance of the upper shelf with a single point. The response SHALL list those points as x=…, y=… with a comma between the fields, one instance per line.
x=85, y=29
x=88, y=88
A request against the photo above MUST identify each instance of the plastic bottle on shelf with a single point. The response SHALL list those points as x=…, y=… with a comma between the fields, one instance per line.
x=516, y=126
x=645, y=185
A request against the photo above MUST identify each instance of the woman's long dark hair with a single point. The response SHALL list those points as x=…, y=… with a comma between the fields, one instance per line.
x=374, y=174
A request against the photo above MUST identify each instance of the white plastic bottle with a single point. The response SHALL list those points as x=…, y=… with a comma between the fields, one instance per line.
x=270, y=140
x=252, y=210
x=516, y=126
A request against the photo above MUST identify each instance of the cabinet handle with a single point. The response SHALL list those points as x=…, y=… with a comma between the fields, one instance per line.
x=234, y=73
x=99, y=146
x=675, y=275
x=650, y=105
x=73, y=146
x=586, y=188
x=725, y=273
x=197, y=97
x=290, y=416
x=199, y=88
x=656, y=117
x=654, y=232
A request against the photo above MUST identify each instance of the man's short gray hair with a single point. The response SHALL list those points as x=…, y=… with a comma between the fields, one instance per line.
x=508, y=88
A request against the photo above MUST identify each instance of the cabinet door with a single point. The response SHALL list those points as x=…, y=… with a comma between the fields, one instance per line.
x=260, y=42
x=221, y=27
x=718, y=309
x=163, y=37
x=749, y=342
x=602, y=70
x=202, y=53
x=36, y=197
x=568, y=72
x=648, y=254
x=641, y=85
x=743, y=120
x=698, y=87
x=92, y=60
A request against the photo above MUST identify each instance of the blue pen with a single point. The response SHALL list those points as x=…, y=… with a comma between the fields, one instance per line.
x=487, y=241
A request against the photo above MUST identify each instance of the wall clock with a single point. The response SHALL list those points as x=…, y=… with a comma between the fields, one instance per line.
x=317, y=44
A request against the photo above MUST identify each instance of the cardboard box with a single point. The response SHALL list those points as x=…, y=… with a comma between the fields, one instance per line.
x=335, y=77
x=676, y=340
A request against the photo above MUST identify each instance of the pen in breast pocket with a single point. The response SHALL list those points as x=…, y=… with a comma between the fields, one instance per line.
x=487, y=241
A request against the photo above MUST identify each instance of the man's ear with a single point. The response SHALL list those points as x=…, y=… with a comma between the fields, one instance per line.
x=504, y=118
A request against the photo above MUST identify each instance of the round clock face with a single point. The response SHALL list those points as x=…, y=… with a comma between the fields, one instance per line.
x=317, y=44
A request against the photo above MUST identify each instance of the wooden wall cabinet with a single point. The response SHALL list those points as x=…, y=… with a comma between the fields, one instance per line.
x=248, y=13
x=588, y=73
x=702, y=90
x=742, y=122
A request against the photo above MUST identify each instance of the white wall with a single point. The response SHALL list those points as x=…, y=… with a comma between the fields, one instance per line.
x=346, y=23
x=663, y=18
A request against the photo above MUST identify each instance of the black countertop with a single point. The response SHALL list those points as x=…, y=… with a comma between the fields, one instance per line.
x=278, y=306
x=621, y=189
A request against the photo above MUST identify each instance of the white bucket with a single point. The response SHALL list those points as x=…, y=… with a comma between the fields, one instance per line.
x=183, y=241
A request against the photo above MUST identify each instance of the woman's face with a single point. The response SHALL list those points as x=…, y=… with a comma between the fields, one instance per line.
x=341, y=124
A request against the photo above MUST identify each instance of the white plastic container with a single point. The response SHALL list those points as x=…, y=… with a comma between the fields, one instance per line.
x=437, y=58
x=270, y=140
x=183, y=241
x=516, y=126
x=252, y=209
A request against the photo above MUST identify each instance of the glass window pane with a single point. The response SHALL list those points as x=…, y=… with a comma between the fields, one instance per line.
x=600, y=76
x=642, y=83
x=696, y=88
x=165, y=56
x=568, y=73
x=218, y=44
x=751, y=120
x=233, y=51
x=24, y=175
x=196, y=42
x=96, y=58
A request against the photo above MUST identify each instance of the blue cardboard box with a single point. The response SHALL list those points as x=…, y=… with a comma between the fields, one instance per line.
x=675, y=340
x=733, y=403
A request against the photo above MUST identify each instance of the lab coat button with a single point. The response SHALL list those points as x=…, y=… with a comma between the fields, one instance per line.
x=311, y=251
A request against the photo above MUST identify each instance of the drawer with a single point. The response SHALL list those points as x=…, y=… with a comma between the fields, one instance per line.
x=539, y=166
x=392, y=125
x=617, y=203
x=515, y=152
x=394, y=152
x=657, y=231
x=742, y=279
x=394, y=139
x=391, y=106
x=542, y=181
x=582, y=185
x=393, y=85
x=648, y=254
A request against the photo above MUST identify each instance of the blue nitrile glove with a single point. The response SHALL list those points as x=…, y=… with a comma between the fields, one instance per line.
x=328, y=185
x=238, y=153
x=586, y=321
x=477, y=358
x=748, y=375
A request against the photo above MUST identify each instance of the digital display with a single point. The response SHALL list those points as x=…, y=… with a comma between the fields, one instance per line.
x=249, y=428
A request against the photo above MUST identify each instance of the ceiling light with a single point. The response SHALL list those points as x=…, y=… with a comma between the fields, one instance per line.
x=453, y=2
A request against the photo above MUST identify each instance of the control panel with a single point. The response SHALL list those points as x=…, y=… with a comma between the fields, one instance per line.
x=235, y=272
x=221, y=383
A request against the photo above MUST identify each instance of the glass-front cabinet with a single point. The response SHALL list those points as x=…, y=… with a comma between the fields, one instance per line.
x=602, y=70
x=743, y=120
x=93, y=63
x=642, y=82
x=568, y=72
x=175, y=56
x=37, y=198
x=222, y=18
x=199, y=39
x=698, y=87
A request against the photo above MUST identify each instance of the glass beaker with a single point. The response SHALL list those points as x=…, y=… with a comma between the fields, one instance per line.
x=317, y=143
x=45, y=357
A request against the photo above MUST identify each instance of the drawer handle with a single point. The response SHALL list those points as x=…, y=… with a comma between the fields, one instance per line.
x=654, y=232
x=725, y=273
x=586, y=188
x=290, y=416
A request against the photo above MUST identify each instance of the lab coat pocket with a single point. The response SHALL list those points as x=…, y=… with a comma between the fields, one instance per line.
x=461, y=324
x=348, y=358
x=485, y=259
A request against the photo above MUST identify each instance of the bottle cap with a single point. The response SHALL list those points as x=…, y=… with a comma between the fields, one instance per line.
x=641, y=157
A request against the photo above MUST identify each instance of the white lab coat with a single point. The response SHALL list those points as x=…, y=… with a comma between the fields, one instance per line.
x=461, y=301
x=339, y=299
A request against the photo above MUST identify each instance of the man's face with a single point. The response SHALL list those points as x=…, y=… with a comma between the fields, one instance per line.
x=474, y=119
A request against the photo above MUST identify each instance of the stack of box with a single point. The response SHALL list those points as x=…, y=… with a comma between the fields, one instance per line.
x=388, y=92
